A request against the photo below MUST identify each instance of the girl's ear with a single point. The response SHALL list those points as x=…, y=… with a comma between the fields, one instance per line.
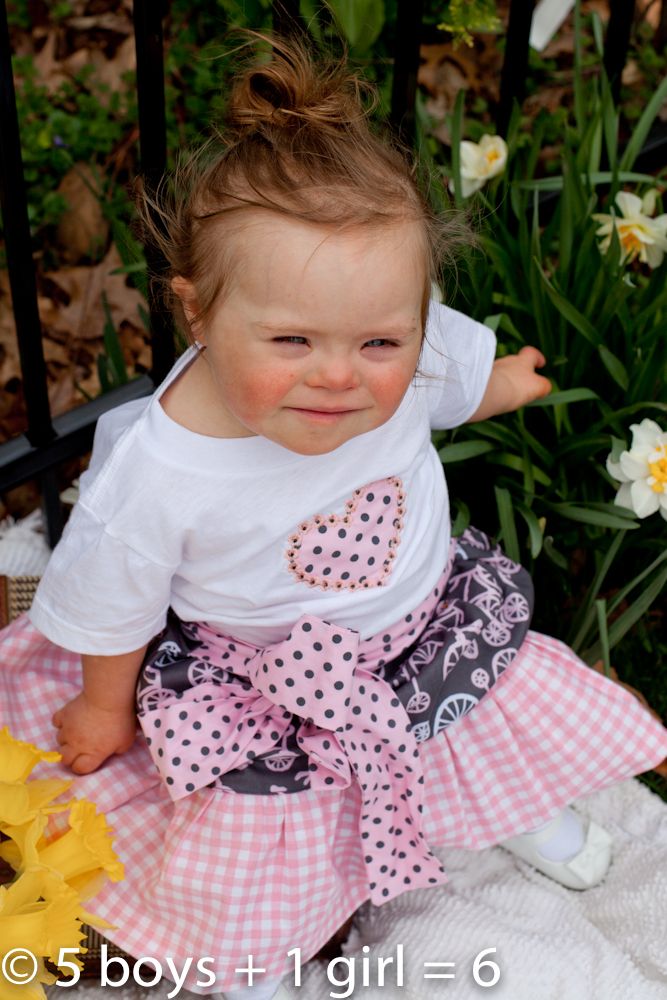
x=187, y=294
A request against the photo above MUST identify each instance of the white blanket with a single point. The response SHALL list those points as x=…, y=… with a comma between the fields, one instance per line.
x=608, y=943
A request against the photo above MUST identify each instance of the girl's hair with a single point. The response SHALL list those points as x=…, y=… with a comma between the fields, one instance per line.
x=297, y=141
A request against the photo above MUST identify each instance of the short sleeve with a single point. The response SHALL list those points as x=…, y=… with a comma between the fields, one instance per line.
x=455, y=365
x=97, y=594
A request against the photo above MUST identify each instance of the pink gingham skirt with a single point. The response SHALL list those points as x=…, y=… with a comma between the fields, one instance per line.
x=228, y=875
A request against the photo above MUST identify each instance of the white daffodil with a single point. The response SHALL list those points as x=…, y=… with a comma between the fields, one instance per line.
x=642, y=471
x=639, y=234
x=480, y=161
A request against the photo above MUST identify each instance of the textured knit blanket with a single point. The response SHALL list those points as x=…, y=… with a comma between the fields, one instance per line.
x=609, y=943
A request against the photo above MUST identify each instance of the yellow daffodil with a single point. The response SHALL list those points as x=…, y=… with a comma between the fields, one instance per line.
x=480, y=161
x=21, y=801
x=41, y=913
x=639, y=235
x=21, y=851
x=18, y=758
x=85, y=851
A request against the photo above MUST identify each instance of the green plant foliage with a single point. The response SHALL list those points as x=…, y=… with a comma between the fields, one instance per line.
x=360, y=21
x=464, y=17
x=539, y=278
x=81, y=122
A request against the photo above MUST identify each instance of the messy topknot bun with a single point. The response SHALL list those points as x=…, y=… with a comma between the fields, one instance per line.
x=292, y=92
x=296, y=141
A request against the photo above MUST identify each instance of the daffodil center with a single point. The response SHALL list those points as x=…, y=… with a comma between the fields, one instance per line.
x=492, y=156
x=629, y=240
x=658, y=470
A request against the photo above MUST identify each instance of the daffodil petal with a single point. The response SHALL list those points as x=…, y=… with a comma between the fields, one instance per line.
x=649, y=201
x=629, y=204
x=19, y=758
x=646, y=432
x=632, y=466
x=470, y=158
x=624, y=497
x=614, y=469
x=654, y=256
x=470, y=184
x=644, y=500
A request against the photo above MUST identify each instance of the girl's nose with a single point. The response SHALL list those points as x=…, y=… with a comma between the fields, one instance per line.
x=335, y=374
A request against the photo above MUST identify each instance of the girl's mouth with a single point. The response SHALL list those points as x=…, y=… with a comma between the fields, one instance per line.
x=322, y=416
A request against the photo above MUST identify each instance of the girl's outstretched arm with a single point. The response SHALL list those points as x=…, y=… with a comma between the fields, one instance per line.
x=101, y=720
x=513, y=383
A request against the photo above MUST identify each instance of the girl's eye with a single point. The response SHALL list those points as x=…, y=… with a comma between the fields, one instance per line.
x=290, y=340
x=379, y=342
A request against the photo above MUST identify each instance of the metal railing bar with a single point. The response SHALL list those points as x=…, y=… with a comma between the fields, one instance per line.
x=617, y=41
x=147, y=15
x=406, y=66
x=51, y=505
x=20, y=460
x=18, y=245
x=515, y=63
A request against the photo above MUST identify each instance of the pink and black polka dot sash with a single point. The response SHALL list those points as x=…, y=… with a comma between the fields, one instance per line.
x=321, y=709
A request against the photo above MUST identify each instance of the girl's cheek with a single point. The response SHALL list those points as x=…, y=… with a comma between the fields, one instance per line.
x=390, y=385
x=265, y=389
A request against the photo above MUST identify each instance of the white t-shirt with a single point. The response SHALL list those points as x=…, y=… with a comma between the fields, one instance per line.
x=247, y=535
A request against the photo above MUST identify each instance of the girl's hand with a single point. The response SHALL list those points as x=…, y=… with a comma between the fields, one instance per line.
x=88, y=734
x=513, y=383
x=519, y=372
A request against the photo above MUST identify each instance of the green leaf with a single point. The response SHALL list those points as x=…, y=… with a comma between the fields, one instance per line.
x=615, y=367
x=571, y=314
x=565, y=396
x=457, y=135
x=643, y=126
x=597, y=516
x=601, y=611
x=556, y=557
x=594, y=178
x=618, y=446
x=517, y=463
x=535, y=531
x=493, y=322
x=463, y=450
x=507, y=523
x=632, y=615
x=579, y=109
x=584, y=617
x=496, y=431
x=361, y=21
x=462, y=519
x=623, y=593
x=113, y=365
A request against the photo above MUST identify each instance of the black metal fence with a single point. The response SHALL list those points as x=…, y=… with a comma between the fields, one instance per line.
x=48, y=442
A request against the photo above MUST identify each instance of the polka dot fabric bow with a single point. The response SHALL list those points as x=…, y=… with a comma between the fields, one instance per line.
x=198, y=734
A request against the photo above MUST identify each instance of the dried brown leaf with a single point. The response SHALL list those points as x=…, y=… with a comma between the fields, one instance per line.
x=82, y=231
x=47, y=64
x=83, y=315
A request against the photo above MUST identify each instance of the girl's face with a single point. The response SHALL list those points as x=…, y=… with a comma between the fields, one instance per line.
x=318, y=337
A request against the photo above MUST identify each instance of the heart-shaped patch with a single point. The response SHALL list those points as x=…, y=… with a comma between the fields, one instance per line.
x=355, y=549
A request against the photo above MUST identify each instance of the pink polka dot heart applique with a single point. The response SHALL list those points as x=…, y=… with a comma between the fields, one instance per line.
x=353, y=550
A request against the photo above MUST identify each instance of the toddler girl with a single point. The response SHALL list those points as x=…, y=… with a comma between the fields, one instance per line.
x=328, y=684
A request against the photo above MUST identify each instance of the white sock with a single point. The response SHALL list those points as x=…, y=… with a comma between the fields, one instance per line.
x=261, y=991
x=567, y=837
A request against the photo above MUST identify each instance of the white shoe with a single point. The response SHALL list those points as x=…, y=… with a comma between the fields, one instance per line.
x=584, y=870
